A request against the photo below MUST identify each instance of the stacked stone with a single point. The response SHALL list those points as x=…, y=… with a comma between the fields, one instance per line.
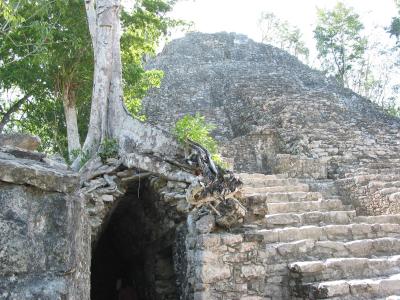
x=373, y=193
x=44, y=231
x=298, y=242
x=265, y=102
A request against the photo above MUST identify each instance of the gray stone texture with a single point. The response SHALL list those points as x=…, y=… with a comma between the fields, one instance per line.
x=264, y=102
x=20, y=140
x=335, y=155
x=294, y=249
x=302, y=234
x=44, y=233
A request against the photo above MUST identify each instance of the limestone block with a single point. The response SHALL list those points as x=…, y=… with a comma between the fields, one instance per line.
x=307, y=267
x=206, y=257
x=20, y=140
x=395, y=197
x=37, y=174
x=209, y=241
x=335, y=288
x=205, y=224
x=211, y=273
x=107, y=198
x=253, y=271
x=231, y=239
x=235, y=257
x=247, y=246
x=295, y=248
x=252, y=298
x=44, y=245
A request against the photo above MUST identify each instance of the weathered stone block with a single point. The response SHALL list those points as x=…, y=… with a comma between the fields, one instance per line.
x=252, y=271
x=20, y=140
x=211, y=273
x=206, y=224
x=44, y=244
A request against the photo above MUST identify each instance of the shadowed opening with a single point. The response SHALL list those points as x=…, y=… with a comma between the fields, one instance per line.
x=133, y=258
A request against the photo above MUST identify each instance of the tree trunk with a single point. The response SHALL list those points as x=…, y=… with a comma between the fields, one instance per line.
x=109, y=118
x=69, y=103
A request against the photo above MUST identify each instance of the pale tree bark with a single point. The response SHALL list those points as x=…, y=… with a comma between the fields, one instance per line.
x=91, y=17
x=109, y=118
x=69, y=103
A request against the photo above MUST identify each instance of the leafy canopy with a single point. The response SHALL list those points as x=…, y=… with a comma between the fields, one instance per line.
x=46, y=51
x=143, y=29
x=340, y=43
x=394, y=28
x=283, y=35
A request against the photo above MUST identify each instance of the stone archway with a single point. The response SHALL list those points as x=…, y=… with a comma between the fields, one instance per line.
x=134, y=253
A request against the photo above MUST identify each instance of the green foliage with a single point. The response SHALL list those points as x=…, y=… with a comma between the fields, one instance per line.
x=144, y=28
x=340, y=44
x=283, y=35
x=195, y=128
x=138, y=86
x=218, y=161
x=395, y=28
x=46, y=52
x=108, y=149
x=84, y=155
x=393, y=110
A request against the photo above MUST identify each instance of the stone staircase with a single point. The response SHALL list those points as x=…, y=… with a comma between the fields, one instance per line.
x=312, y=246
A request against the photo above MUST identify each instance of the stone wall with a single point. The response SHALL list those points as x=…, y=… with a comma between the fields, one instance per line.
x=45, y=236
x=255, y=152
x=229, y=266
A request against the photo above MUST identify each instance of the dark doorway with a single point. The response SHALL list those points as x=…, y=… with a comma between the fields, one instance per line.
x=133, y=258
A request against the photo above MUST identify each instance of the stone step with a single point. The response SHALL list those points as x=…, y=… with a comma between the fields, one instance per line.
x=367, y=178
x=308, y=218
x=395, y=219
x=283, y=197
x=393, y=171
x=344, y=268
x=307, y=206
x=325, y=233
x=348, y=289
x=270, y=182
x=307, y=249
x=378, y=185
x=276, y=189
x=259, y=176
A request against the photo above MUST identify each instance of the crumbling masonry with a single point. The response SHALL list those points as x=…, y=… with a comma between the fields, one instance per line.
x=317, y=215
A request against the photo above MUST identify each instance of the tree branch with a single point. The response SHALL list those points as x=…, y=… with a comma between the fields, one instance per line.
x=92, y=19
x=14, y=107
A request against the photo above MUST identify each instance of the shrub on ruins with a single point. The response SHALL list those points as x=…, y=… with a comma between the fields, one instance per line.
x=108, y=149
x=393, y=110
x=196, y=129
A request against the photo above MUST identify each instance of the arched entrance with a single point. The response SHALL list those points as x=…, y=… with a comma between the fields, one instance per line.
x=133, y=257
